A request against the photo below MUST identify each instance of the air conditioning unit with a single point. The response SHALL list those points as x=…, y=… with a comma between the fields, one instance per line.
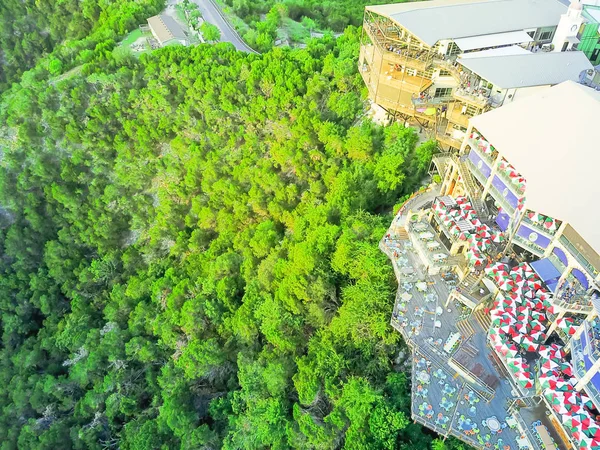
x=547, y=47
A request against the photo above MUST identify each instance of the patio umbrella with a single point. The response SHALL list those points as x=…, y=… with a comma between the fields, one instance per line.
x=587, y=401
x=406, y=296
x=570, y=422
x=526, y=383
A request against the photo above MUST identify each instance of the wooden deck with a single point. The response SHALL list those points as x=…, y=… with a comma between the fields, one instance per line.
x=416, y=321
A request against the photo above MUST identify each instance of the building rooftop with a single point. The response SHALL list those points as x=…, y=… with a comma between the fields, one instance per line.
x=492, y=40
x=434, y=20
x=527, y=69
x=551, y=136
x=166, y=28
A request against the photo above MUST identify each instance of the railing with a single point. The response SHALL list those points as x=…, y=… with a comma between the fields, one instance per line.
x=447, y=139
x=440, y=160
x=577, y=358
x=531, y=246
x=537, y=227
x=478, y=174
x=502, y=200
x=571, y=306
x=475, y=100
x=483, y=389
x=406, y=60
x=473, y=143
x=508, y=181
x=457, y=117
x=579, y=257
x=420, y=62
x=435, y=101
x=448, y=64
x=465, y=173
x=525, y=429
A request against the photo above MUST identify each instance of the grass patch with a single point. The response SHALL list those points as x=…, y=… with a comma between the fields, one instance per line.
x=295, y=31
x=132, y=37
x=180, y=13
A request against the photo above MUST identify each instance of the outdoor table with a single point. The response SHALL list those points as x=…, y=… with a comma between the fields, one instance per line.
x=433, y=245
x=439, y=256
x=493, y=424
x=423, y=376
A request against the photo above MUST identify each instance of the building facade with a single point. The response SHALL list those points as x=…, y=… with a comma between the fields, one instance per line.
x=431, y=62
x=512, y=222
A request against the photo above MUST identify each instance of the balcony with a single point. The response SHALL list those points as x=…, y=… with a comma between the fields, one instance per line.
x=509, y=182
x=449, y=65
x=490, y=159
x=399, y=53
x=476, y=100
x=430, y=102
x=528, y=245
x=477, y=173
x=577, y=358
x=454, y=115
x=404, y=82
x=538, y=228
x=449, y=140
x=506, y=206
x=589, y=268
x=413, y=60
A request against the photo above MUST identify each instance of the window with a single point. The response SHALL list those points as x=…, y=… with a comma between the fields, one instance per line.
x=452, y=49
x=545, y=36
x=531, y=34
x=442, y=92
x=445, y=73
x=472, y=111
x=595, y=54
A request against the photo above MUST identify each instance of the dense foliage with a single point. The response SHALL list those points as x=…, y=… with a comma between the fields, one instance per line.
x=190, y=254
x=329, y=14
x=31, y=28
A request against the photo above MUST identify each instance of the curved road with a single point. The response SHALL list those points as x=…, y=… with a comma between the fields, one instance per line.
x=212, y=14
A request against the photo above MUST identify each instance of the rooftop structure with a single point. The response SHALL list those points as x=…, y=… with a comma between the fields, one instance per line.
x=499, y=279
x=560, y=167
x=441, y=62
x=435, y=20
x=526, y=69
x=166, y=30
x=578, y=29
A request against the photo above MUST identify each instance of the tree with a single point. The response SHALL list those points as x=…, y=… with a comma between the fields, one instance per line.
x=210, y=32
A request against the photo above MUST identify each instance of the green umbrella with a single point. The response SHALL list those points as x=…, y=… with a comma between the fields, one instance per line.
x=430, y=112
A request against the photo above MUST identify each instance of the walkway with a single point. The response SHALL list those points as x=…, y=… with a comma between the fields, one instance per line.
x=441, y=398
x=212, y=14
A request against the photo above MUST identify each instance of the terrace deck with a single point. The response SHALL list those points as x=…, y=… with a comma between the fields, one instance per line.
x=474, y=401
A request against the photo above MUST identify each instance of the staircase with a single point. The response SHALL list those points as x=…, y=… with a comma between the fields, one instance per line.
x=465, y=328
x=485, y=320
x=440, y=160
x=470, y=282
x=402, y=234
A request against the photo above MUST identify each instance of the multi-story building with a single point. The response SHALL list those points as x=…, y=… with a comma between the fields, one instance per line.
x=578, y=29
x=513, y=222
x=441, y=62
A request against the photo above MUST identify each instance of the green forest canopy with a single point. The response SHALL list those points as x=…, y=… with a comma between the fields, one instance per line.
x=189, y=252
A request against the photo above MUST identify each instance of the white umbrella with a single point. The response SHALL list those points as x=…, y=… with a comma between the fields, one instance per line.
x=406, y=296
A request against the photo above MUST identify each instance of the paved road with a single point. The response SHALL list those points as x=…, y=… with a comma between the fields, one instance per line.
x=211, y=13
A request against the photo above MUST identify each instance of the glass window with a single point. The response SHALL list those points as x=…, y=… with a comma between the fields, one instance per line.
x=442, y=92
